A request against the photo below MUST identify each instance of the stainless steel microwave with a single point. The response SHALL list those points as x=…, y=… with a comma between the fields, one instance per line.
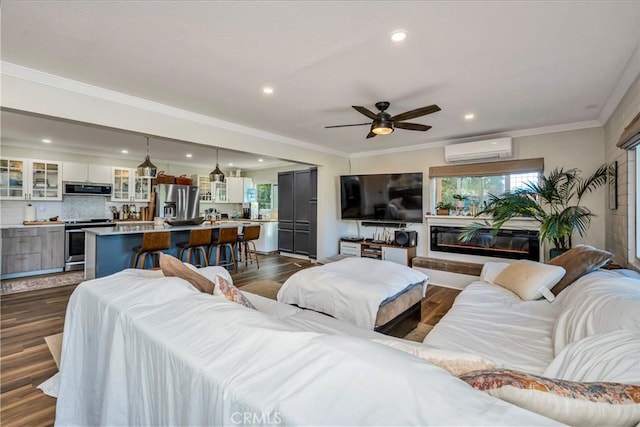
x=84, y=189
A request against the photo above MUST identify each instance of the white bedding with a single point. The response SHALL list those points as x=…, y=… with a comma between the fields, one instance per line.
x=144, y=350
x=487, y=320
x=351, y=289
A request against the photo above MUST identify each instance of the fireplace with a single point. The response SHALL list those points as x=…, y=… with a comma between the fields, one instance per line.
x=507, y=243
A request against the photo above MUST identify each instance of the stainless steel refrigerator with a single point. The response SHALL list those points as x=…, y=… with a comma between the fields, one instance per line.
x=177, y=201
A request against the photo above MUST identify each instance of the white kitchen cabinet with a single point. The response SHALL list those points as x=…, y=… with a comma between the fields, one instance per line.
x=30, y=179
x=204, y=185
x=219, y=192
x=128, y=187
x=268, y=240
x=85, y=172
x=237, y=189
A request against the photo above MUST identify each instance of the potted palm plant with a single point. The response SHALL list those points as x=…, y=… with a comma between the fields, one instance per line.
x=554, y=202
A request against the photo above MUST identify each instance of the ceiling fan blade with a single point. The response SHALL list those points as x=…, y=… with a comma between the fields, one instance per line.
x=370, y=135
x=366, y=112
x=344, y=126
x=412, y=126
x=416, y=113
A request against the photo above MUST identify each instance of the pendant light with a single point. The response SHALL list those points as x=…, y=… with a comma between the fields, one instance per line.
x=216, y=175
x=147, y=169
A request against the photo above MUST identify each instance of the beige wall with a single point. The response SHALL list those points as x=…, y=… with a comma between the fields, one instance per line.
x=582, y=149
x=620, y=223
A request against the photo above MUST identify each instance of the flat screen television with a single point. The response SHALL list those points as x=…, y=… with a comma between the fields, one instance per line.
x=382, y=197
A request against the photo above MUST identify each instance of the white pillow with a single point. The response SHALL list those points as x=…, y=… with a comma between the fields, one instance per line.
x=490, y=271
x=609, y=357
x=572, y=403
x=597, y=303
x=455, y=362
x=530, y=280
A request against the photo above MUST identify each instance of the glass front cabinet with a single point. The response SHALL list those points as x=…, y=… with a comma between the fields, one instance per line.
x=128, y=187
x=26, y=179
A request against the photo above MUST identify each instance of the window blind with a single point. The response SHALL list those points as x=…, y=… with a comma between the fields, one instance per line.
x=488, y=168
x=630, y=137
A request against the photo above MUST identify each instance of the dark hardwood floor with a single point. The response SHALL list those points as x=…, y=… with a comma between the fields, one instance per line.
x=27, y=318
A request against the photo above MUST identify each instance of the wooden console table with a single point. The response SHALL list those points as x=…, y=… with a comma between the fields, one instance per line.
x=384, y=251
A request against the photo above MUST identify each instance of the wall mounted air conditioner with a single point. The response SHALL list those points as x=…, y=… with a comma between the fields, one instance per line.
x=499, y=148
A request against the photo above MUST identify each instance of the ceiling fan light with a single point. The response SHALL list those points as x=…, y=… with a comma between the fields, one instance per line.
x=382, y=127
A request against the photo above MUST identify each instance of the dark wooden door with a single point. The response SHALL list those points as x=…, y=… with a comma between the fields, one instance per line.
x=301, y=211
x=313, y=214
x=285, y=211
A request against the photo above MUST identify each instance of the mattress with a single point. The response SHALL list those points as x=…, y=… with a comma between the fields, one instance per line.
x=389, y=310
x=353, y=289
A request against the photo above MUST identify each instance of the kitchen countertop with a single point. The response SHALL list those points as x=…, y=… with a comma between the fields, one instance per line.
x=149, y=227
x=54, y=224
x=252, y=220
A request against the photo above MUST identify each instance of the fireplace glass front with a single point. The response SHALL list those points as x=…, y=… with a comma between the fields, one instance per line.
x=511, y=244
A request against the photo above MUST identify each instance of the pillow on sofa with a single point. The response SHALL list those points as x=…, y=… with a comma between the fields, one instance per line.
x=599, y=302
x=173, y=267
x=455, y=362
x=572, y=403
x=530, y=280
x=226, y=289
x=611, y=357
x=578, y=261
x=491, y=270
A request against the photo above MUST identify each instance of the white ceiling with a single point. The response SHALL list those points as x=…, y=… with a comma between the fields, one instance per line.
x=515, y=65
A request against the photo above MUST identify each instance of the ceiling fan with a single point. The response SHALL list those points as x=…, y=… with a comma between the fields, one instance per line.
x=383, y=123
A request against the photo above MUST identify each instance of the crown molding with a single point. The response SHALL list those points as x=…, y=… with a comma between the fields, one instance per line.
x=514, y=134
x=63, y=83
x=629, y=75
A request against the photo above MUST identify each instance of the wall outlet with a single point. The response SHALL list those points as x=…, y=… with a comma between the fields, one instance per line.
x=40, y=208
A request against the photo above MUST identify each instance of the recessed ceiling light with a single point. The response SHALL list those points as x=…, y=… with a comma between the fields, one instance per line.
x=46, y=141
x=398, y=36
x=261, y=160
x=230, y=164
x=124, y=151
x=469, y=116
x=189, y=155
x=267, y=90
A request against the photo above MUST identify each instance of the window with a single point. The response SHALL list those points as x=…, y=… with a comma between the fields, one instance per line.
x=478, y=188
x=267, y=196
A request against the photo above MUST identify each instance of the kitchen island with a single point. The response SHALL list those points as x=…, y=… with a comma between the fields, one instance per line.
x=110, y=249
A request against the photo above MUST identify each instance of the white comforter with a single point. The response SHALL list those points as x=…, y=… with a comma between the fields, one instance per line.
x=144, y=350
x=487, y=320
x=351, y=289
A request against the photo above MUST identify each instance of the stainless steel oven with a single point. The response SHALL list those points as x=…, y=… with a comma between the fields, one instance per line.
x=74, y=241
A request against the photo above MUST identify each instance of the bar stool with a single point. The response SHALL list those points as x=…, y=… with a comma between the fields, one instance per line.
x=152, y=244
x=227, y=239
x=198, y=241
x=250, y=233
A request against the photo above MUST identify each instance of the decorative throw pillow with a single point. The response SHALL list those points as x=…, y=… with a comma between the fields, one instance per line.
x=173, y=267
x=226, y=289
x=530, y=280
x=455, y=362
x=572, y=403
x=578, y=261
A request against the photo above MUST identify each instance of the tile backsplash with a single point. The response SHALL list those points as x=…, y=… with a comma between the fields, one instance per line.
x=83, y=207
x=71, y=207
